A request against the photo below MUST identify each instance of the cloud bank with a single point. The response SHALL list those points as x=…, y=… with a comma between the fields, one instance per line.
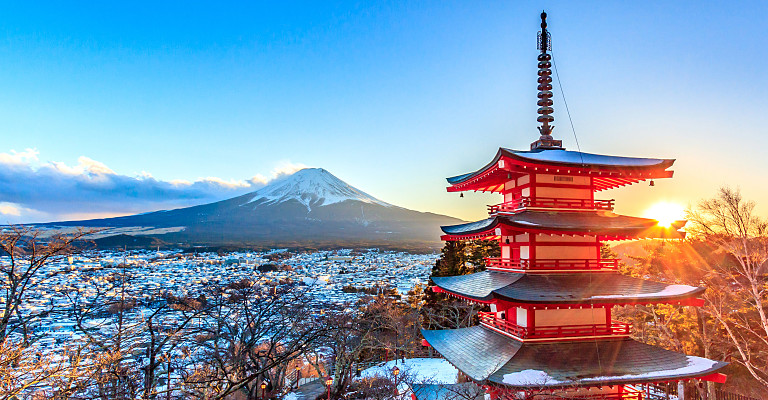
x=31, y=191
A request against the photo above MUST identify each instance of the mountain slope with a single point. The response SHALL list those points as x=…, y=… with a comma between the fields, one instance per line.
x=310, y=207
x=312, y=186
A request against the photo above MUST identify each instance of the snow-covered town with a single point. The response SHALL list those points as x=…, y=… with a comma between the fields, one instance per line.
x=331, y=277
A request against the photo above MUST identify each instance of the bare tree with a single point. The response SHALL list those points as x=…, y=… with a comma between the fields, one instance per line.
x=23, y=371
x=130, y=340
x=29, y=264
x=729, y=223
x=444, y=312
x=250, y=334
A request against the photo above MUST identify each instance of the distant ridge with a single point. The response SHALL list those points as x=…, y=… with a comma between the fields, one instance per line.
x=309, y=208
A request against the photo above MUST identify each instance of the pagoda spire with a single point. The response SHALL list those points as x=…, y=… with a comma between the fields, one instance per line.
x=545, y=91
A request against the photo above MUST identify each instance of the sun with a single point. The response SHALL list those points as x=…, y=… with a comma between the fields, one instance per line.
x=666, y=213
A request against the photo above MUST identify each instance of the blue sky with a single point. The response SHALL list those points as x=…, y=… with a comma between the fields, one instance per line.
x=210, y=99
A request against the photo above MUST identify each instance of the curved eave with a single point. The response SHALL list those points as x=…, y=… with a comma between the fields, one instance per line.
x=477, y=287
x=602, y=363
x=491, y=358
x=605, y=225
x=492, y=176
x=688, y=298
x=570, y=289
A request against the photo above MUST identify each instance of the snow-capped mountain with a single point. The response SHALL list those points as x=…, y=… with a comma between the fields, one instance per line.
x=311, y=187
x=310, y=208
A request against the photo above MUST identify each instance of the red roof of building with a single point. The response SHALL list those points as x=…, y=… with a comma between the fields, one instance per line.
x=607, y=171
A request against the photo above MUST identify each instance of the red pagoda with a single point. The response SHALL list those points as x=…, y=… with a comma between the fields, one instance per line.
x=549, y=332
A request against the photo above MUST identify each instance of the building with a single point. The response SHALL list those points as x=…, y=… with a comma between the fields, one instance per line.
x=549, y=332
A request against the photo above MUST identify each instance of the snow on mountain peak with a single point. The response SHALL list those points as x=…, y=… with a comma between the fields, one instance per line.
x=312, y=187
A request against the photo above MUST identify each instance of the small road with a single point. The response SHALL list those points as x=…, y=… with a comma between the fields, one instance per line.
x=311, y=390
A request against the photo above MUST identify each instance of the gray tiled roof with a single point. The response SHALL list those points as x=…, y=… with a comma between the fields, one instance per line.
x=475, y=351
x=484, y=355
x=563, y=288
x=479, y=285
x=590, y=287
x=589, y=222
x=601, y=362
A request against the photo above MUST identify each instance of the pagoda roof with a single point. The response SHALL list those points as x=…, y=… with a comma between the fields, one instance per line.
x=608, y=171
x=487, y=356
x=583, y=288
x=605, y=224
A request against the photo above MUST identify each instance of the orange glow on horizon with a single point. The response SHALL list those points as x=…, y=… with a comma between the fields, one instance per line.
x=666, y=213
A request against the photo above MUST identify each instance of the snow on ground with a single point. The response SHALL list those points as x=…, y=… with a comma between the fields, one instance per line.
x=291, y=396
x=417, y=370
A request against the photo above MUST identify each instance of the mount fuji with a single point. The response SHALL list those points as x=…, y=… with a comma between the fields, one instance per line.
x=309, y=208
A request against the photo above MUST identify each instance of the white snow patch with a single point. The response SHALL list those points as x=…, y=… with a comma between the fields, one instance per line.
x=292, y=396
x=320, y=280
x=529, y=377
x=695, y=365
x=417, y=370
x=574, y=157
x=312, y=186
x=532, y=377
x=671, y=290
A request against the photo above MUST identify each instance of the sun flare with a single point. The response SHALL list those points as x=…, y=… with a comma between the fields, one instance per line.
x=666, y=213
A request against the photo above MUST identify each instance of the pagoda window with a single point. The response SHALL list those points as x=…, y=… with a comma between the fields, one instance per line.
x=575, y=316
x=522, y=316
x=506, y=252
x=562, y=179
x=543, y=237
x=563, y=193
x=525, y=252
x=565, y=252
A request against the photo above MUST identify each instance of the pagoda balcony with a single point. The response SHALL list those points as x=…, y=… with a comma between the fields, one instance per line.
x=549, y=265
x=523, y=203
x=627, y=395
x=615, y=328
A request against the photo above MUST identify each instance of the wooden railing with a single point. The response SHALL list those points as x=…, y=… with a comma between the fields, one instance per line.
x=552, y=264
x=513, y=395
x=542, y=332
x=549, y=202
x=608, y=396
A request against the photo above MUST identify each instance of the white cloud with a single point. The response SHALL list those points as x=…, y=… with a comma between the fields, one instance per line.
x=19, y=158
x=10, y=209
x=286, y=168
x=53, y=190
x=232, y=184
x=93, y=166
x=84, y=165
